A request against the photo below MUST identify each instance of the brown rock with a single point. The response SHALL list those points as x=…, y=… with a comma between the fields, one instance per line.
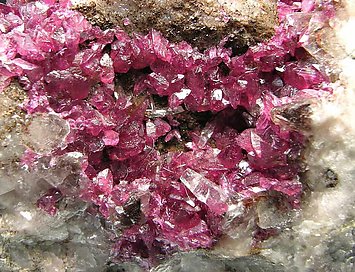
x=201, y=22
x=11, y=115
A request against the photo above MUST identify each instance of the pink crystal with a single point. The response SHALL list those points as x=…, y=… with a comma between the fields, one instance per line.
x=69, y=82
x=111, y=137
x=104, y=181
x=121, y=53
x=49, y=201
x=132, y=142
x=156, y=129
x=308, y=5
x=173, y=134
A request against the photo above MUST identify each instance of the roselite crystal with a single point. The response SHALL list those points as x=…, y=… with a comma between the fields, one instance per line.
x=170, y=138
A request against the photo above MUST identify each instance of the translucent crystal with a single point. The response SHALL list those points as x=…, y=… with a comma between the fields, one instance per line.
x=45, y=132
x=205, y=191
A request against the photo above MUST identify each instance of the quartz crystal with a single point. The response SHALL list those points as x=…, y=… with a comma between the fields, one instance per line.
x=162, y=146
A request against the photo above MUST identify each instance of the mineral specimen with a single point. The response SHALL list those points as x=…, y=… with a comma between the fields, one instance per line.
x=164, y=147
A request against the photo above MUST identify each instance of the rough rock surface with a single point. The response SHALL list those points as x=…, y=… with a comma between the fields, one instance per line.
x=200, y=22
x=201, y=261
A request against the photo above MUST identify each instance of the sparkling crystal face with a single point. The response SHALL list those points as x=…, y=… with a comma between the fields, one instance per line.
x=166, y=140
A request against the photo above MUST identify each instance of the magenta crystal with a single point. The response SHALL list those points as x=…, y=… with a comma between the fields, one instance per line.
x=48, y=202
x=156, y=129
x=111, y=137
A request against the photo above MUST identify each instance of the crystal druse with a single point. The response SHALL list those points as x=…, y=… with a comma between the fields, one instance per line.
x=157, y=146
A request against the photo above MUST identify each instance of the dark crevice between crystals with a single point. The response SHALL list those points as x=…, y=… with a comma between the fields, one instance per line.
x=192, y=121
x=225, y=70
x=160, y=101
x=132, y=212
x=126, y=81
x=189, y=122
x=239, y=119
x=173, y=145
x=105, y=156
x=238, y=49
x=106, y=49
x=86, y=44
x=199, y=119
x=129, y=79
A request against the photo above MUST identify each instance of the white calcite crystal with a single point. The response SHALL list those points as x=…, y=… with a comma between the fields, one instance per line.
x=202, y=261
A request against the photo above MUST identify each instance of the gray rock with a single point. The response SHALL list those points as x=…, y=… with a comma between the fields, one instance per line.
x=200, y=261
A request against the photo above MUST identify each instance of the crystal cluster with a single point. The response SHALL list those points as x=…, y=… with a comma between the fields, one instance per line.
x=166, y=158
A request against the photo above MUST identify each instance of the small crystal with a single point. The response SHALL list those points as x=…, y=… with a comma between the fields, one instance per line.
x=111, y=137
x=48, y=202
x=205, y=191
